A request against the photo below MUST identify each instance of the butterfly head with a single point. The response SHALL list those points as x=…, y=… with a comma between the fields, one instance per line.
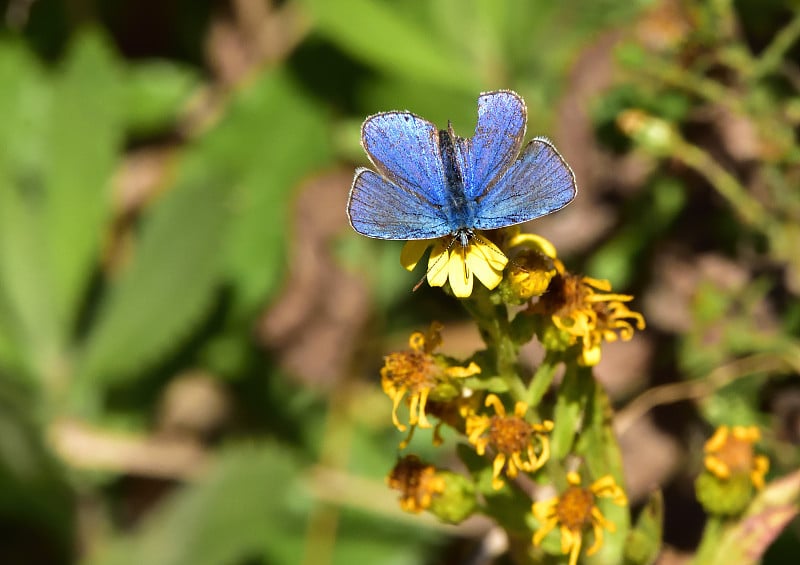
x=462, y=236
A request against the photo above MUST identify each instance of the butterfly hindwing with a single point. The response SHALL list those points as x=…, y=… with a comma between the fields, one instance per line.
x=538, y=183
x=382, y=209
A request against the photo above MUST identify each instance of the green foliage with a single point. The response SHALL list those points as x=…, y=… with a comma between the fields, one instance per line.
x=644, y=540
x=155, y=95
x=745, y=541
x=249, y=506
x=174, y=270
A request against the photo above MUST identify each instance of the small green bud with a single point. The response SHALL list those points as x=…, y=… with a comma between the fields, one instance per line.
x=457, y=502
x=725, y=497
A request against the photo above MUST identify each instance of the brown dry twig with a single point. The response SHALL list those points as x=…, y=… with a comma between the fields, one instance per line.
x=86, y=447
x=716, y=379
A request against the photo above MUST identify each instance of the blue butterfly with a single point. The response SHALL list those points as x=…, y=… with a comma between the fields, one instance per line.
x=431, y=183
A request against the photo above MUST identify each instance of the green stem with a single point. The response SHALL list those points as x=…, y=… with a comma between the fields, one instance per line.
x=702, y=87
x=709, y=545
x=542, y=379
x=772, y=56
x=748, y=208
x=567, y=412
x=495, y=329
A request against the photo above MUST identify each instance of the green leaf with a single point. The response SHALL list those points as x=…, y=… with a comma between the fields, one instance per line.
x=598, y=444
x=26, y=299
x=272, y=137
x=59, y=147
x=167, y=287
x=248, y=506
x=253, y=506
x=571, y=399
x=82, y=151
x=382, y=35
x=644, y=540
x=28, y=331
x=155, y=93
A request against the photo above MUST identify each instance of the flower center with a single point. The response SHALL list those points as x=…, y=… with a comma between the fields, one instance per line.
x=737, y=454
x=564, y=295
x=574, y=508
x=509, y=434
x=417, y=482
x=412, y=369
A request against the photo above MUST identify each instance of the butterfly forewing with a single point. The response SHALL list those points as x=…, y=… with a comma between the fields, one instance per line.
x=538, y=183
x=498, y=138
x=405, y=149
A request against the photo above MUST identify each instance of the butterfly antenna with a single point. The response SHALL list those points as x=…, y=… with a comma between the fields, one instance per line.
x=490, y=245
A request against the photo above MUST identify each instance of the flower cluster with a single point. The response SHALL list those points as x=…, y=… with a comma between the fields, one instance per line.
x=574, y=511
x=416, y=373
x=486, y=401
x=511, y=437
x=586, y=311
x=516, y=441
x=733, y=471
x=417, y=482
x=483, y=399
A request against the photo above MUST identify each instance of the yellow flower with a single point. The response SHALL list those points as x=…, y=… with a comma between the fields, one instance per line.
x=575, y=511
x=584, y=308
x=417, y=482
x=531, y=267
x=511, y=437
x=452, y=260
x=730, y=452
x=415, y=373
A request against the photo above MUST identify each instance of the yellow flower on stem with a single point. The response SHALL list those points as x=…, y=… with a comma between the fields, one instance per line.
x=575, y=511
x=511, y=437
x=415, y=373
x=730, y=452
x=417, y=482
x=457, y=261
x=531, y=267
x=586, y=310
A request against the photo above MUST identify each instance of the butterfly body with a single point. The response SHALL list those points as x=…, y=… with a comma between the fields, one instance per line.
x=459, y=211
x=431, y=183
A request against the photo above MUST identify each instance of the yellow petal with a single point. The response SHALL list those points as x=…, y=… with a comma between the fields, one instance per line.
x=413, y=251
x=533, y=241
x=460, y=276
x=746, y=433
x=544, y=511
x=590, y=356
x=496, y=259
x=494, y=401
x=717, y=466
x=437, y=264
x=462, y=372
x=548, y=523
x=487, y=262
x=717, y=440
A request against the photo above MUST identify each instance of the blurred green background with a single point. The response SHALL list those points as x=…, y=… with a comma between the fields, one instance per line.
x=190, y=333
